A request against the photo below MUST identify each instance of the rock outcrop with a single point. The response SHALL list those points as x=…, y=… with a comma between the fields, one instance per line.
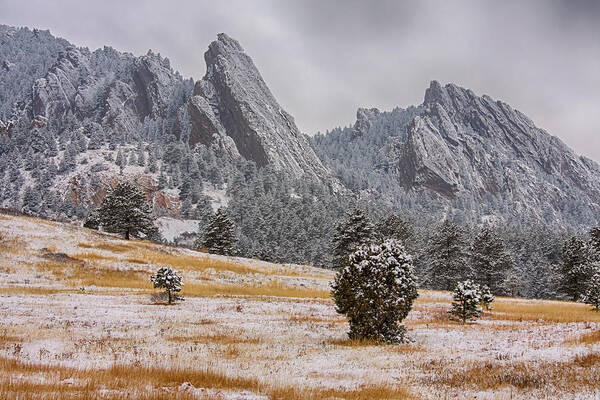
x=233, y=100
x=463, y=142
x=121, y=95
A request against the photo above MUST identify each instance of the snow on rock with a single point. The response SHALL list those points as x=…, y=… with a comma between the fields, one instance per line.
x=233, y=99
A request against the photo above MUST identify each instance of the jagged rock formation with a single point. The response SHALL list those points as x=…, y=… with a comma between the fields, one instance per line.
x=121, y=95
x=473, y=153
x=232, y=99
x=230, y=109
x=463, y=142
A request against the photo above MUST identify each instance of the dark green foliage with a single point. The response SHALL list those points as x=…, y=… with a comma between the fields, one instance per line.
x=167, y=279
x=219, y=237
x=591, y=295
x=376, y=290
x=576, y=268
x=490, y=261
x=466, y=299
x=446, y=253
x=394, y=227
x=595, y=241
x=92, y=221
x=487, y=298
x=126, y=211
x=356, y=230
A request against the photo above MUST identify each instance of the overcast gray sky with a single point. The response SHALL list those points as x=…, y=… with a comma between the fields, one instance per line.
x=324, y=59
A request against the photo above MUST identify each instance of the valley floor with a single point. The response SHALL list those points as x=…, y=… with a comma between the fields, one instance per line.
x=78, y=319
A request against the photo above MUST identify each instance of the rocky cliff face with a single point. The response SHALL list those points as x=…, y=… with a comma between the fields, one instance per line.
x=231, y=108
x=233, y=100
x=117, y=89
x=465, y=143
x=470, y=153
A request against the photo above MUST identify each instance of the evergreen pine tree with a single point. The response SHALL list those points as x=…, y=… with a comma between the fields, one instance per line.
x=356, y=230
x=595, y=242
x=487, y=298
x=219, y=237
x=126, y=211
x=466, y=299
x=490, y=260
x=576, y=268
x=394, y=227
x=376, y=290
x=447, y=256
x=592, y=295
x=167, y=279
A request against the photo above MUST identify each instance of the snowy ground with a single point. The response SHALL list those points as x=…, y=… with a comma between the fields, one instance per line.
x=53, y=313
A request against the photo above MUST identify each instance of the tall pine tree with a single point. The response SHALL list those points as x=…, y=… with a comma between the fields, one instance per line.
x=219, y=237
x=356, y=230
x=447, y=257
x=126, y=211
x=576, y=268
x=394, y=227
x=490, y=260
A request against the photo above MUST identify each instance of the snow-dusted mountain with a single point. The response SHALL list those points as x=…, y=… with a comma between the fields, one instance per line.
x=474, y=156
x=117, y=93
x=74, y=121
x=232, y=102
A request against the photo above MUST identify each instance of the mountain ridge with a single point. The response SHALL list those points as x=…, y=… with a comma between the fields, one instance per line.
x=89, y=118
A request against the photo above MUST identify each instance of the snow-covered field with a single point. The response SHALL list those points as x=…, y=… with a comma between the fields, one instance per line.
x=77, y=320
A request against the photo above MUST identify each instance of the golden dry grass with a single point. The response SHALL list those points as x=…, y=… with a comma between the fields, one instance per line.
x=588, y=338
x=569, y=376
x=272, y=289
x=32, y=290
x=542, y=311
x=131, y=382
x=404, y=348
x=191, y=263
x=220, y=338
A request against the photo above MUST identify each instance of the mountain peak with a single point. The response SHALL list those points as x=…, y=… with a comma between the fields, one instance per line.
x=228, y=42
x=232, y=103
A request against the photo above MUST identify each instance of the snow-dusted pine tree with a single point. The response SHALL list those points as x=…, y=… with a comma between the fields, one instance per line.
x=592, y=295
x=490, y=261
x=394, y=227
x=595, y=241
x=576, y=268
x=167, y=279
x=126, y=211
x=219, y=236
x=376, y=290
x=466, y=299
x=356, y=230
x=487, y=298
x=447, y=256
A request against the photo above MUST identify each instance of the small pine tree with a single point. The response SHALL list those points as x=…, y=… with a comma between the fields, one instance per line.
x=466, y=299
x=355, y=231
x=592, y=295
x=126, y=211
x=448, y=257
x=376, y=290
x=219, y=236
x=167, y=279
x=487, y=298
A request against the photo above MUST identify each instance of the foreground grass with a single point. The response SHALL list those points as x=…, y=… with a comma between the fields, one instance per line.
x=568, y=376
x=135, y=382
